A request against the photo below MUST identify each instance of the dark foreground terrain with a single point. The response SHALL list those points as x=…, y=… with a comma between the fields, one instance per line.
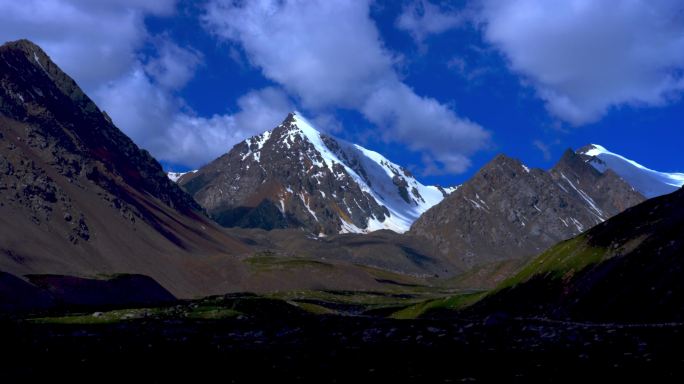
x=247, y=339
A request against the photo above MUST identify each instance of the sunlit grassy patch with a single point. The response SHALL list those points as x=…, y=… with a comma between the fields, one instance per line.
x=108, y=317
x=212, y=312
x=560, y=261
x=452, y=302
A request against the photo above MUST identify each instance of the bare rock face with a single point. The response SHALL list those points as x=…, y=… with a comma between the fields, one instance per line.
x=77, y=196
x=510, y=212
x=66, y=131
x=297, y=177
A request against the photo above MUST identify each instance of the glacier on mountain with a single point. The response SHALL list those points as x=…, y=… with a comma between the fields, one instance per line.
x=648, y=182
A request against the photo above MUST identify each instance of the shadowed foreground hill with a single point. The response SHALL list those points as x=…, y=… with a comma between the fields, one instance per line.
x=629, y=268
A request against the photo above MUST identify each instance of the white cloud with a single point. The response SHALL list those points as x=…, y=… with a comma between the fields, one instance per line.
x=329, y=55
x=93, y=41
x=326, y=52
x=421, y=18
x=155, y=117
x=99, y=44
x=174, y=66
x=585, y=57
x=193, y=140
x=425, y=125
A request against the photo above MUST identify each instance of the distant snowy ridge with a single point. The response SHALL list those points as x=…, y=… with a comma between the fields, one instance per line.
x=175, y=176
x=648, y=182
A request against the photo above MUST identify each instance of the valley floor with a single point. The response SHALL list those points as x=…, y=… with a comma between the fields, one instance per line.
x=249, y=339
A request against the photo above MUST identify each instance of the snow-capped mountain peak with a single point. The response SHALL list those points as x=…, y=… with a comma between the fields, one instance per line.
x=390, y=185
x=316, y=181
x=648, y=182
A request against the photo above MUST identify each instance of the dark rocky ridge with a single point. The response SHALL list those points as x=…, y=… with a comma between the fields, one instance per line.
x=509, y=212
x=36, y=92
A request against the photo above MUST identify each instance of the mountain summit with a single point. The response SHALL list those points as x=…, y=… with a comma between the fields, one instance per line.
x=296, y=176
x=647, y=181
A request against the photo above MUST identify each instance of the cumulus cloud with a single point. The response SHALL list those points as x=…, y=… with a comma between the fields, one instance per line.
x=173, y=66
x=100, y=44
x=326, y=52
x=143, y=104
x=421, y=18
x=93, y=41
x=170, y=132
x=329, y=54
x=192, y=140
x=585, y=57
x=425, y=125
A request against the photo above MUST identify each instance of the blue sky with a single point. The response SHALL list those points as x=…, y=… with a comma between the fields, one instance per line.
x=438, y=87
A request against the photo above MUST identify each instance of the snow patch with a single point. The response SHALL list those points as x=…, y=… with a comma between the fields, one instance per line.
x=35, y=58
x=259, y=141
x=175, y=176
x=475, y=204
x=578, y=225
x=596, y=210
x=348, y=227
x=305, y=201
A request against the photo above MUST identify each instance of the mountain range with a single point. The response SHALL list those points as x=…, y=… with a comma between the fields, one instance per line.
x=295, y=209
x=508, y=211
x=294, y=176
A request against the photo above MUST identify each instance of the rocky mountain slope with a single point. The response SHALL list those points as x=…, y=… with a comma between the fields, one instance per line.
x=626, y=269
x=510, y=212
x=648, y=182
x=78, y=197
x=296, y=177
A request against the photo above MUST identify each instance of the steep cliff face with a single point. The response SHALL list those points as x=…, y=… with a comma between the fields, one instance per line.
x=508, y=211
x=297, y=177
